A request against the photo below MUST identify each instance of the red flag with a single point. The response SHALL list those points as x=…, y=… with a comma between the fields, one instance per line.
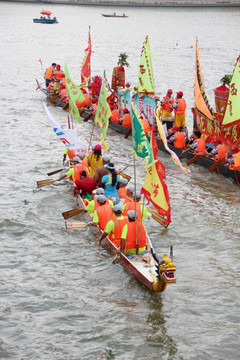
x=153, y=144
x=86, y=65
x=40, y=61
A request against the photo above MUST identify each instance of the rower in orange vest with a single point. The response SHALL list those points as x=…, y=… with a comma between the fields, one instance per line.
x=177, y=138
x=122, y=191
x=70, y=153
x=140, y=209
x=134, y=236
x=103, y=212
x=93, y=204
x=234, y=162
x=145, y=124
x=74, y=172
x=115, y=226
x=220, y=151
x=48, y=74
x=199, y=144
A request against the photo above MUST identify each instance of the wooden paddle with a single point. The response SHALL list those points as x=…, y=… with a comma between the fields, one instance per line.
x=88, y=117
x=54, y=172
x=70, y=213
x=54, y=97
x=76, y=224
x=45, y=182
x=155, y=215
x=194, y=158
x=127, y=134
x=216, y=164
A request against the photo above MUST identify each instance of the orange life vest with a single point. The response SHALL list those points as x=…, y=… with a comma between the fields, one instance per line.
x=145, y=125
x=121, y=191
x=181, y=106
x=127, y=121
x=104, y=212
x=201, y=146
x=48, y=73
x=130, y=242
x=166, y=107
x=236, y=158
x=83, y=103
x=119, y=224
x=71, y=154
x=131, y=206
x=115, y=116
x=179, y=141
x=59, y=74
x=222, y=150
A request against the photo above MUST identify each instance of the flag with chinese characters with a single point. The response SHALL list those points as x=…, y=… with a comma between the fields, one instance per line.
x=86, y=64
x=74, y=93
x=153, y=145
x=155, y=190
x=145, y=71
x=232, y=113
x=141, y=146
x=103, y=114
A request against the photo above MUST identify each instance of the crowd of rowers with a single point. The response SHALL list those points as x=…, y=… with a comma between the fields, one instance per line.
x=111, y=200
x=167, y=108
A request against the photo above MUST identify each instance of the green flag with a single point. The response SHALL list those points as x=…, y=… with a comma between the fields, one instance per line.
x=103, y=114
x=141, y=146
x=74, y=93
x=145, y=72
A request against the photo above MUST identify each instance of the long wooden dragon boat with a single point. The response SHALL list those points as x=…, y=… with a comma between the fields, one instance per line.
x=151, y=272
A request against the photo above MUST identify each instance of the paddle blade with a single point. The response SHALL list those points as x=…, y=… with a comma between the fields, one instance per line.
x=45, y=182
x=53, y=98
x=193, y=159
x=54, y=172
x=216, y=164
x=127, y=134
x=160, y=219
x=75, y=224
x=70, y=213
x=128, y=177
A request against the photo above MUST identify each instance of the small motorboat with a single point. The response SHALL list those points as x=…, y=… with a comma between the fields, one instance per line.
x=115, y=15
x=47, y=17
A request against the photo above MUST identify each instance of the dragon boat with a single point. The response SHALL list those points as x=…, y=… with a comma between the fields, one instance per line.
x=153, y=273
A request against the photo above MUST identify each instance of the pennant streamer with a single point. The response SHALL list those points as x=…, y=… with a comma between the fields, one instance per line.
x=103, y=114
x=74, y=93
x=86, y=64
x=164, y=139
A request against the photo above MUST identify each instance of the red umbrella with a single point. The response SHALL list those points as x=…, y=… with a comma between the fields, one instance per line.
x=46, y=12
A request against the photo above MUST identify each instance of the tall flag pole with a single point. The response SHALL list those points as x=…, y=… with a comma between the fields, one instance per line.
x=86, y=63
x=145, y=71
x=232, y=112
x=103, y=114
x=74, y=93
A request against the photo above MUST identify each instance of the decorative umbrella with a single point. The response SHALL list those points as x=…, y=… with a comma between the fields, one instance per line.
x=46, y=12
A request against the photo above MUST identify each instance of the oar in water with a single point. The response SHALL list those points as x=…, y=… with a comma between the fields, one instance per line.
x=194, y=158
x=45, y=182
x=155, y=215
x=216, y=164
x=70, y=213
x=76, y=224
x=54, y=172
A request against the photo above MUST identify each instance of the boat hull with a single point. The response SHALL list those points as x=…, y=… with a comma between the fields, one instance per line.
x=115, y=16
x=45, y=21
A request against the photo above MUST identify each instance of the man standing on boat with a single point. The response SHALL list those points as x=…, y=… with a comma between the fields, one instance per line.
x=179, y=110
x=130, y=243
x=167, y=104
x=49, y=73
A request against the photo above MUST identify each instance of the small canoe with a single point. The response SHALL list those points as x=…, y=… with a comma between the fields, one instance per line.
x=115, y=16
x=151, y=272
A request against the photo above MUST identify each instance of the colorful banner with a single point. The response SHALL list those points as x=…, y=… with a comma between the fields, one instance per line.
x=145, y=71
x=232, y=113
x=200, y=96
x=141, y=146
x=86, y=64
x=164, y=139
x=74, y=93
x=68, y=136
x=103, y=114
x=155, y=190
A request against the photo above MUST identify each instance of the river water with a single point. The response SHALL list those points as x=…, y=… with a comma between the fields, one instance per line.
x=61, y=296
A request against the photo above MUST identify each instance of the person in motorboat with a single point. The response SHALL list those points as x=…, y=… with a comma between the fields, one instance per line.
x=129, y=240
x=114, y=226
